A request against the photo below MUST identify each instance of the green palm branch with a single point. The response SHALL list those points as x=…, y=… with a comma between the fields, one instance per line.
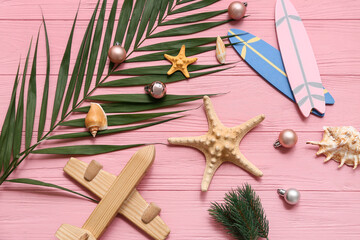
x=138, y=19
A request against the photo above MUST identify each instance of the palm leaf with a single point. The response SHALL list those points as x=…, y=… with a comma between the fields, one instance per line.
x=124, y=17
x=170, y=6
x=7, y=133
x=152, y=19
x=158, y=70
x=31, y=99
x=193, y=6
x=139, y=98
x=189, y=43
x=160, y=55
x=80, y=75
x=76, y=71
x=62, y=77
x=144, y=80
x=110, y=131
x=20, y=111
x=149, y=6
x=184, y=1
x=189, y=29
x=121, y=119
x=142, y=17
x=84, y=149
x=50, y=185
x=94, y=48
x=134, y=22
x=106, y=43
x=137, y=107
x=193, y=18
x=44, y=102
x=123, y=21
x=162, y=10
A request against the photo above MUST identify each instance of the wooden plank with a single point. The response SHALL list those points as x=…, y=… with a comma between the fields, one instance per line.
x=328, y=208
x=298, y=167
x=259, y=9
x=133, y=207
x=316, y=217
x=233, y=107
x=348, y=31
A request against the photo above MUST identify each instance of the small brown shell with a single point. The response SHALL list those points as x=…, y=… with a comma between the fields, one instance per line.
x=96, y=119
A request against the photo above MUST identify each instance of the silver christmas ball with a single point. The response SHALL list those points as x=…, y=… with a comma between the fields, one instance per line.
x=291, y=196
x=117, y=54
x=156, y=89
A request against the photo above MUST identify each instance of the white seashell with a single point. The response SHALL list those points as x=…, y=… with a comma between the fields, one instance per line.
x=220, y=50
x=341, y=144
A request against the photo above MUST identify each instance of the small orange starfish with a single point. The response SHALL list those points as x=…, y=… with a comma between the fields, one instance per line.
x=180, y=62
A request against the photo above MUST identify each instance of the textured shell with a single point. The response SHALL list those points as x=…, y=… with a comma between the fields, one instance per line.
x=341, y=144
x=220, y=50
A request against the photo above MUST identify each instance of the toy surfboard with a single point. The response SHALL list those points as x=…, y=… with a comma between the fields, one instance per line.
x=267, y=61
x=299, y=59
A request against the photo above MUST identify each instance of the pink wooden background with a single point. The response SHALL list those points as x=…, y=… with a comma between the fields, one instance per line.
x=329, y=206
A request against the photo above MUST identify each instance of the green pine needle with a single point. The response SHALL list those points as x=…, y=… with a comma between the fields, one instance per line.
x=242, y=214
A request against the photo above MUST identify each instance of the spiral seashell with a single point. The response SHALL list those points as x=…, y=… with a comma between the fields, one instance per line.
x=342, y=144
x=220, y=50
x=96, y=119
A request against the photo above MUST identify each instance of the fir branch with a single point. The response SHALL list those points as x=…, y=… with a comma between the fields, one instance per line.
x=242, y=214
x=255, y=204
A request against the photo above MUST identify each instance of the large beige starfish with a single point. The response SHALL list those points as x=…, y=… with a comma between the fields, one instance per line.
x=220, y=144
x=180, y=62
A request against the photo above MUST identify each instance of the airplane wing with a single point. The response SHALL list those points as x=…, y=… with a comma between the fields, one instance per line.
x=133, y=207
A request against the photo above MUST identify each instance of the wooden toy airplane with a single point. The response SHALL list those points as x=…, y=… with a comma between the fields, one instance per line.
x=118, y=196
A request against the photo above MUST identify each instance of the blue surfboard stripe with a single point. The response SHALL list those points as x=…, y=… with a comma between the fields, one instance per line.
x=329, y=99
x=269, y=73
